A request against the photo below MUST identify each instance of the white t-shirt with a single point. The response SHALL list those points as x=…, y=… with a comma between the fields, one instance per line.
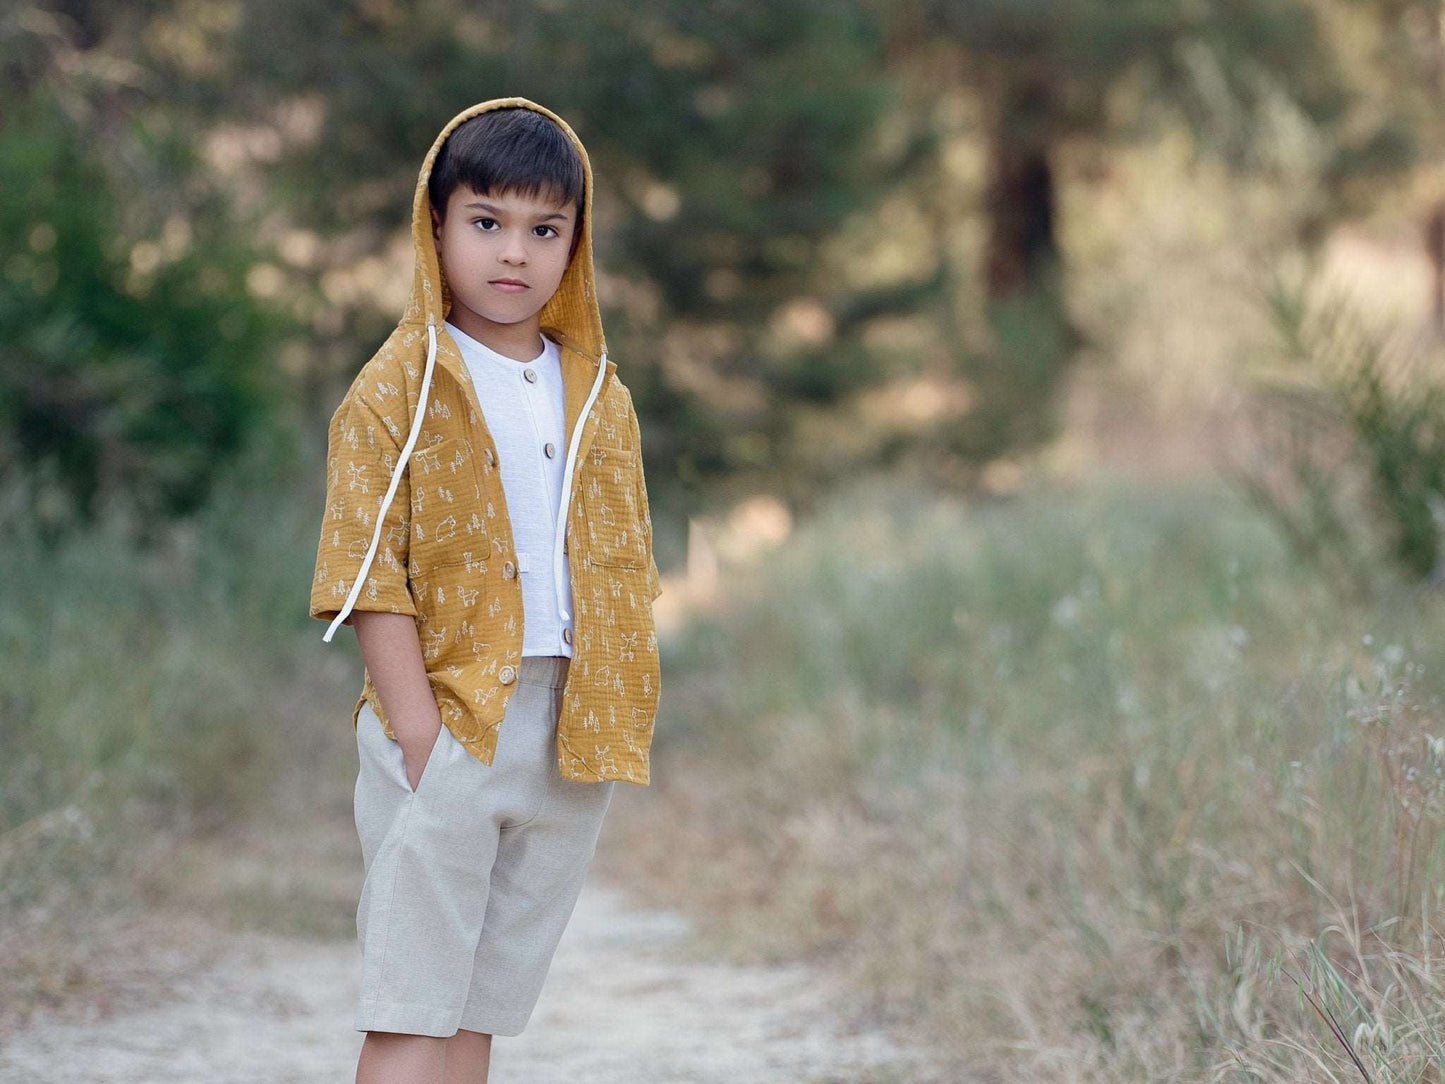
x=527, y=419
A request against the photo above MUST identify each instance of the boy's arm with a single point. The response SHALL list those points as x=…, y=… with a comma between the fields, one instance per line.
x=392, y=651
x=361, y=454
x=654, y=581
x=362, y=451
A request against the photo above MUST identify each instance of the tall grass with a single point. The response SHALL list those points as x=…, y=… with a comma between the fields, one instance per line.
x=146, y=696
x=1078, y=784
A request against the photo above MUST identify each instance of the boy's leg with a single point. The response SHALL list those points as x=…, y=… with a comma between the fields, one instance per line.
x=537, y=878
x=394, y=1058
x=540, y=864
x=469, y=1057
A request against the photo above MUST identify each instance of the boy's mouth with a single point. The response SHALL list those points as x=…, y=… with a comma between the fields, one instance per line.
x=510, y=286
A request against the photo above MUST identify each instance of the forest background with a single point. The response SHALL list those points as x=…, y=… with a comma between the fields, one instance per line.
x=1044, y=438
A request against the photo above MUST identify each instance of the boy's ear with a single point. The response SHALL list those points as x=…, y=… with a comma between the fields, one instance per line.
x=436, y=226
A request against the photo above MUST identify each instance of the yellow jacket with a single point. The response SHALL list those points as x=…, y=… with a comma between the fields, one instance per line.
x=416, y=518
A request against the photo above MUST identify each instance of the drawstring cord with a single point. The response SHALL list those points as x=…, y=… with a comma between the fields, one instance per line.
x=562, y=590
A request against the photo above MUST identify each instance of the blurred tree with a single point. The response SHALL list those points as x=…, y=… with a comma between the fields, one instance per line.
x=774, y=196
x=1239, y=72
x=731, y=140
x=133, y=360
x=1257, y=82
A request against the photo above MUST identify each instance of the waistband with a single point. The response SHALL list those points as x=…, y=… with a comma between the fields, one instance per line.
x=548, y=670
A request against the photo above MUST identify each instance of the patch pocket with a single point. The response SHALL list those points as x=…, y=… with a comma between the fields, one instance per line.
x=613, y=510
x=447, y=525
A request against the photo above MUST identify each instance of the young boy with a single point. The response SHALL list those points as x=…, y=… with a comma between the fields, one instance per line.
x=487, y=535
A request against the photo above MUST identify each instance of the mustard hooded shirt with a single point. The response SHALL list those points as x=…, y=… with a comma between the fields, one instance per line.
x=416, y=521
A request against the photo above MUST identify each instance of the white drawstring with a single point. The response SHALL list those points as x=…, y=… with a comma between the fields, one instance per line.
x=561, y=590
x=431, y=356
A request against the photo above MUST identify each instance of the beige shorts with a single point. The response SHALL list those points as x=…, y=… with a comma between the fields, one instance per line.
x=472, y=877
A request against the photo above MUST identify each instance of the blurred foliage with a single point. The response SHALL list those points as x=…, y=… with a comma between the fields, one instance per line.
x=1260, y=85
x=730, y=141
x=783, y=188
x=1348, y=456
x=134, y=360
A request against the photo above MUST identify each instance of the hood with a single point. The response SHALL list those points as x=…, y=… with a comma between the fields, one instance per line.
x=571, y=318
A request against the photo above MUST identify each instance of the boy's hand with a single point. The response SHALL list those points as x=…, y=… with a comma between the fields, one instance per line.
x=418, y=739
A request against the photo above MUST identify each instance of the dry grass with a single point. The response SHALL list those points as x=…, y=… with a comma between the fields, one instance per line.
x=165, y=721
x=1072, y=784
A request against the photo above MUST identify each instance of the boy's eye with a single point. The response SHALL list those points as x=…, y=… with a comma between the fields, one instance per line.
x=552, y=228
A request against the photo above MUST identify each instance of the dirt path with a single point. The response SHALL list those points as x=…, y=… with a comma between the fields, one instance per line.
x=622, y=1003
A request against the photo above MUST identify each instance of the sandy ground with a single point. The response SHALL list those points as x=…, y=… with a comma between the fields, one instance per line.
x=623, y=1002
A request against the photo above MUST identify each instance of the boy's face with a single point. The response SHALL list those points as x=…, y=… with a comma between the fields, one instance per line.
x=499, y=236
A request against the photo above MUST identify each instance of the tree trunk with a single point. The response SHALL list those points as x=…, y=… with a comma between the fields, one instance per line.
x=1022, y=243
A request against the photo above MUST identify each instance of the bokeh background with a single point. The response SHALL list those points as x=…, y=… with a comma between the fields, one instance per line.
x=1043, y=406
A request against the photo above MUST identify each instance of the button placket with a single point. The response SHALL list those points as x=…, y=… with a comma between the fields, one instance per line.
x=549, y=450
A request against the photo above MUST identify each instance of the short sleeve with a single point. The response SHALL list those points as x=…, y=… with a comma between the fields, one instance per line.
x=361, y=456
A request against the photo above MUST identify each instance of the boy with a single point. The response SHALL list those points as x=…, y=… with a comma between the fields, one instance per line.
x=487, y=535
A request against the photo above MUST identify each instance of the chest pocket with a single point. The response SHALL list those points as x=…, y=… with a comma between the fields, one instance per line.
x=448, y=524
x=612, y=504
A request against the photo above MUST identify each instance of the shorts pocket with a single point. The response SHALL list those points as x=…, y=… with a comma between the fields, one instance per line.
x=433, y=761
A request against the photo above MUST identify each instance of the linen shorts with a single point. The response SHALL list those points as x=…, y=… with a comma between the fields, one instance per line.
x=472, y=877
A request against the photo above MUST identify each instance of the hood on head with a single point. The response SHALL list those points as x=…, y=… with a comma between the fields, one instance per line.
x=572, y=316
